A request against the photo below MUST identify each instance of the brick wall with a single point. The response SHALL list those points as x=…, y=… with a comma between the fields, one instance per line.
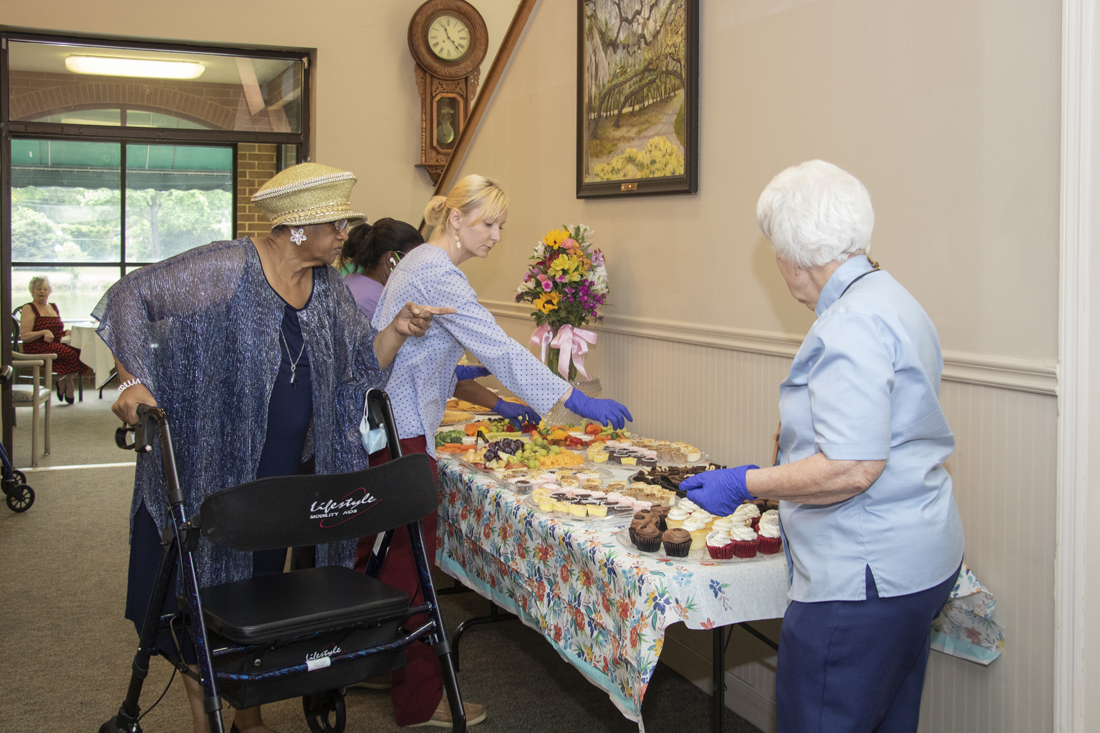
x=219, y=106
x=255, y=166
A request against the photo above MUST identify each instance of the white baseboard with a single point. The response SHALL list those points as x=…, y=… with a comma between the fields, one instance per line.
x=740, y=697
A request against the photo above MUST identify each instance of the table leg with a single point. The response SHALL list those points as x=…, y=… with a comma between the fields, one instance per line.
x=493, y=617
x=718, y=689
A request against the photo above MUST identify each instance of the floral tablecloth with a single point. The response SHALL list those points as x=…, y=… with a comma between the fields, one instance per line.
x=602, y=607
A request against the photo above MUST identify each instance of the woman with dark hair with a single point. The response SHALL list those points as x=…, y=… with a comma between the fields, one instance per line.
x=371, y=253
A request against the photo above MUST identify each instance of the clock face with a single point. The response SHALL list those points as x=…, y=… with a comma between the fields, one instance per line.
x=448, y=37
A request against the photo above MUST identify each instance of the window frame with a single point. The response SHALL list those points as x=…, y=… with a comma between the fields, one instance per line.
x=121, y=135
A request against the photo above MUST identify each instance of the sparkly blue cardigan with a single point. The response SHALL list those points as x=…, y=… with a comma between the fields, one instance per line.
x=201, y=331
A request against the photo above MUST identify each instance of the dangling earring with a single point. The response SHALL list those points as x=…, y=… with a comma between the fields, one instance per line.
x=297, y=236
x=458, y=242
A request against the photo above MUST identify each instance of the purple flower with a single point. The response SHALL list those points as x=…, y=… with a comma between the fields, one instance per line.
x=547, y=285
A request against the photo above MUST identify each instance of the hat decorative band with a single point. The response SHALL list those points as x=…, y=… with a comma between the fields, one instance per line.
x=309, y=193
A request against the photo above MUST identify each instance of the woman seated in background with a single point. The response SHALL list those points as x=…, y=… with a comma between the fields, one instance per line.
x=41, y=329
x=467, y=223
x=370, y=254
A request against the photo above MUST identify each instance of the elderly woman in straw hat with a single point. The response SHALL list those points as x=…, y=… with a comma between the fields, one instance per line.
x=261, y=358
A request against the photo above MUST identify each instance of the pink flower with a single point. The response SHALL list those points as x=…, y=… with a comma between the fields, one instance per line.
x=569, y=243
x=547, y=285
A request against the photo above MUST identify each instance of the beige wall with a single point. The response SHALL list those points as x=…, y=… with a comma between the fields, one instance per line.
x=366, y=113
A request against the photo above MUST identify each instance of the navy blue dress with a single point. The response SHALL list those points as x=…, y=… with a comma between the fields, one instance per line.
x=289, y=412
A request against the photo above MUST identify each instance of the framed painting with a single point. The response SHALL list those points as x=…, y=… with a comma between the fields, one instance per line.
x=637, y=97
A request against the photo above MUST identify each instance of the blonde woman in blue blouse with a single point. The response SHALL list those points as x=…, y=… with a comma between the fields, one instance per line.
x=466, y=223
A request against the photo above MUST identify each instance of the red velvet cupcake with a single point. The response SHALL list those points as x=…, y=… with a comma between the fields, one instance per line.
x=745, y=542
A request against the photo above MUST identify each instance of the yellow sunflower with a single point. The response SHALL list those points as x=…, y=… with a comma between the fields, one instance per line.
x=555, y=237
x=547, y=302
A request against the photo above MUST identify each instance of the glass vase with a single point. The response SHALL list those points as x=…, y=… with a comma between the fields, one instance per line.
x=561, y=415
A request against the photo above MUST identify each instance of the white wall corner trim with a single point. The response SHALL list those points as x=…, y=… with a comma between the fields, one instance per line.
x=1040, y=377
x=1078, y=17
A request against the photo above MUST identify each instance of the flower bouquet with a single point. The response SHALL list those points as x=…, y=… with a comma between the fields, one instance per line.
x=567, y=284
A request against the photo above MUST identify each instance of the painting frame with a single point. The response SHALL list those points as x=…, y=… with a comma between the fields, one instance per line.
x=595, y=102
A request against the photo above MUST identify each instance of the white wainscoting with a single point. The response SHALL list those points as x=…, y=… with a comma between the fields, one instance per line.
x=717, y=388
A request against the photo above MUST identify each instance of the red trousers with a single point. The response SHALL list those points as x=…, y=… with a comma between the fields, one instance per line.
x=418, y=687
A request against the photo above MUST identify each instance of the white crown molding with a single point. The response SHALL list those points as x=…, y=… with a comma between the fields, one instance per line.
x=1021, y=375
x=1072, y=483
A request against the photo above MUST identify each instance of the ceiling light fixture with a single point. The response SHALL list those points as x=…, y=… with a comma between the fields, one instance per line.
x=145, y=68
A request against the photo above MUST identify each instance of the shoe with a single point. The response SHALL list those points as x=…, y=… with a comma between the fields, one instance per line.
x=60, y=396
x=441, y=718
x=382, y=682
x=69, y=399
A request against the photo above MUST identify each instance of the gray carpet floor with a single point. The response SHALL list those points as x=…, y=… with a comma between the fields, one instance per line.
x=66, y=650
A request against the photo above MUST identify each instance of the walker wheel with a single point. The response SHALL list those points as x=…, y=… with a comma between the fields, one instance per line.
x=20, y=499
x=19, y=476
x=325, y=712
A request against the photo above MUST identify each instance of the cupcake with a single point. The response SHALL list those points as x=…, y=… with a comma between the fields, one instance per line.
x=522, y=486
x=769, y=517
x=722, y=524
x=698, y=530
x=676, y=542
x=770, y=543
x=745, y=542
x=719, y=545
x=688, y=505
x=647, y=538
x=675, y=517
x=746, y=514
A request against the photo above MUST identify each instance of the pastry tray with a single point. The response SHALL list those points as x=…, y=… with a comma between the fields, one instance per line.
x=693, y=556
x=611, y=520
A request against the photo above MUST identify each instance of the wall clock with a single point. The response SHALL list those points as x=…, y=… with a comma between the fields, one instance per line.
x=448, y=41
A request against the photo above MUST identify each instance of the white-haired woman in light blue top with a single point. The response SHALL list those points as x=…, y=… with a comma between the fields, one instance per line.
x=873, y=537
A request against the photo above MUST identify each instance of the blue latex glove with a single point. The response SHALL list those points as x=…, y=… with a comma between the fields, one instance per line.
x=517, y=413
x=602, y=411
x=720, y=492
x=471, y=372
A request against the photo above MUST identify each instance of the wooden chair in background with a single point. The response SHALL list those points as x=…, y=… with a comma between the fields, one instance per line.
x=39, y=392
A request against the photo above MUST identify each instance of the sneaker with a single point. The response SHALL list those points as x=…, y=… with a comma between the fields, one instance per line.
x=441, y=718
x=383, y=682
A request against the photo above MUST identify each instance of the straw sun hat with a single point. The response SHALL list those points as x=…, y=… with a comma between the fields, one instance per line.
x=308, y=193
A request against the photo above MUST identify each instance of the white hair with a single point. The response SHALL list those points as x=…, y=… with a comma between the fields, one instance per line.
x=815, y=213
x=36, y=281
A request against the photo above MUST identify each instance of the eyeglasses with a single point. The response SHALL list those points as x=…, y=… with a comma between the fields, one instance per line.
x=341, y=225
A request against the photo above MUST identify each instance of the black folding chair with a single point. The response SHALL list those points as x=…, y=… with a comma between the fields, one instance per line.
x=309, y=632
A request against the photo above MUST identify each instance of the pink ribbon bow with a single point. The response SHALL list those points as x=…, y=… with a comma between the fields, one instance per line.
x=541, y=338
x=572, y=343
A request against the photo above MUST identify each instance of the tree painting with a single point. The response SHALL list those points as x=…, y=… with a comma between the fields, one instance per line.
x=636, y=88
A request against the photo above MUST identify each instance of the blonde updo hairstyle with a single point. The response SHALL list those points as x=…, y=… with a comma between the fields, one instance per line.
x=474, y=194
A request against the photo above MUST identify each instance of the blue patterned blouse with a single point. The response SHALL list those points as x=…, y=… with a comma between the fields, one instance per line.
x=201, y=331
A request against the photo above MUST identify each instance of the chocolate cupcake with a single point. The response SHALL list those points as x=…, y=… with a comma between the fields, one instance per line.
x=647, y=538
x=648, y=462
x=676, y=542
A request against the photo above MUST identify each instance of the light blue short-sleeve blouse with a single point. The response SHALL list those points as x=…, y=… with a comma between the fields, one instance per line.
x=865, y=386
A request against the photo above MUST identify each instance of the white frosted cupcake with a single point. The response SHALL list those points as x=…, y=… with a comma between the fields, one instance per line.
x=721, y=524
x=688, y=505
x=698, y=531
x=676, y=517
x=719, y=545
x=745, y=542
x=770, y=542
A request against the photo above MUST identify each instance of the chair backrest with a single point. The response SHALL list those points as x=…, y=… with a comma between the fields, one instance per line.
x=294, y=511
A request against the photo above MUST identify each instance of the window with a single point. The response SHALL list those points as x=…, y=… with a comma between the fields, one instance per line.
x=120, y=154
x=67, y=199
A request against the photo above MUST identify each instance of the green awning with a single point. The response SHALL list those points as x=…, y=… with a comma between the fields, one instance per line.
x=94, y=165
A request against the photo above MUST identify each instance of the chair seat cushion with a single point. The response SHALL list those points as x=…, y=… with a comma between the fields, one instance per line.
x=273, y=607
x=22, y=395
